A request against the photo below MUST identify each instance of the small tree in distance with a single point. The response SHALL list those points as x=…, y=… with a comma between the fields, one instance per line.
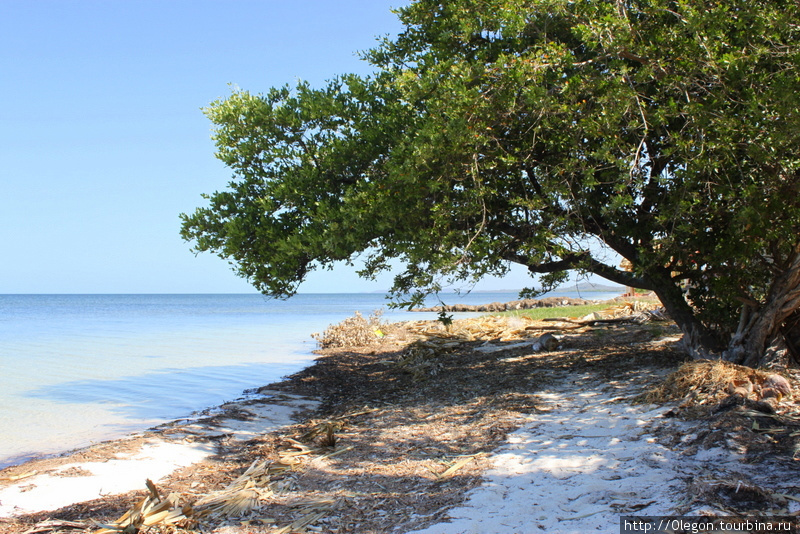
x=549, y=134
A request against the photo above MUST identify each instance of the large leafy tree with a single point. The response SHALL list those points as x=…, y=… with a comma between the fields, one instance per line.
x=554, y=134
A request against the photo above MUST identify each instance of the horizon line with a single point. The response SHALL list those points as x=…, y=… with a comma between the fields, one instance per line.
x=600, y=288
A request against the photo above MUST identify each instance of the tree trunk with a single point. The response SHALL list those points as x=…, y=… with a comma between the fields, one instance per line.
x=767, y=335
x=697, y=340
x=791, y=333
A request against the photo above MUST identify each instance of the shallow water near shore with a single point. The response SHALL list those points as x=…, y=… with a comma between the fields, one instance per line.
x=77, y=369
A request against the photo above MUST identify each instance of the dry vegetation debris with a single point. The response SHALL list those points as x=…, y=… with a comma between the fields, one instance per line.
x=705, y=387
x=355, y=331
x=732, y=412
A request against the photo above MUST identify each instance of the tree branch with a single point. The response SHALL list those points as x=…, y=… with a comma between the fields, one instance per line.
x=581, y=261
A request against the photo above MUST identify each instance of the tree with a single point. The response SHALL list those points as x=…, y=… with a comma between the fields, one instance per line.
x=552, y=134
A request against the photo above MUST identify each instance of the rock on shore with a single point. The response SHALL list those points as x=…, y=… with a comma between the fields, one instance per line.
x=524, y=304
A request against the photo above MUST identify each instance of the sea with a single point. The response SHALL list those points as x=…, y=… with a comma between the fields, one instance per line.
x=80, y=369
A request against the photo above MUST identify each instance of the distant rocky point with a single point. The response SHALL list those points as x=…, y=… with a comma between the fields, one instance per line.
x=524, y=304
x=597, y=287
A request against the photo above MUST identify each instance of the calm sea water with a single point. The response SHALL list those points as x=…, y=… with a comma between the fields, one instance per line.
x=75, y=369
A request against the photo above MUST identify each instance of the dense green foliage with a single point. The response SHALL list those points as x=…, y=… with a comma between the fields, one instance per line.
x=554, y=134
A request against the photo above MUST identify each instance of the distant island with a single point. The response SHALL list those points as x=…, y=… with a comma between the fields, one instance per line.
x=524, y=304
x=599, y=287
x=585, y=286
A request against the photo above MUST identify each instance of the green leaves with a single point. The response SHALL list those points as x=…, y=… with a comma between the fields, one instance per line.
x=555, y=134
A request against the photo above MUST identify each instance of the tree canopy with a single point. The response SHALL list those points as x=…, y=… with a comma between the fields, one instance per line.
x=553, y=134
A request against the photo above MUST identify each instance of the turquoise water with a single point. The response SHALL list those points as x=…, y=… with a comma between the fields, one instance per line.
x=76, y=369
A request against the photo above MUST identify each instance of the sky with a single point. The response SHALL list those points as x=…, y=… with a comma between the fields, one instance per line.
x=103, y=142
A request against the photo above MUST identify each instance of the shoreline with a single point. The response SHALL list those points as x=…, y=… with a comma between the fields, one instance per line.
x=447, y=430
x=463, y=311
x=72, y=411
x=63, y=479
x=167, y=432
x=111, y=431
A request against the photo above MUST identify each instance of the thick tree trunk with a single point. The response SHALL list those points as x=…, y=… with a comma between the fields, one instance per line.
x=697, y=340
x=769, y=334
x=762, y=334
x=791, y=334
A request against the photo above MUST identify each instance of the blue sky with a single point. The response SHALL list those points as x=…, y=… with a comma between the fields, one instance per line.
x=103, y=144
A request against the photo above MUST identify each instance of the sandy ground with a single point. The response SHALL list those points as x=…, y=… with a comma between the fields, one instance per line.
x=83, y=481
x=446, y=438
x=574, y=469
x=594, y=459
x=121, y=466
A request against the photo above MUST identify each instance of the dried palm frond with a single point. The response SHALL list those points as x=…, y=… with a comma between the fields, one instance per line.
x=301, y=449
x=56, y=525
x=150, y=511
x=456, y=465
x=324, y=432
x=14, y=478
x=233, y=502
x=244, y=494
x=311, y=511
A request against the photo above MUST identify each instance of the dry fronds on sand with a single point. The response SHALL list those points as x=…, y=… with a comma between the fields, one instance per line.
x=704, y=386
x=703, y=382
x=355, y=331
x=152, y=510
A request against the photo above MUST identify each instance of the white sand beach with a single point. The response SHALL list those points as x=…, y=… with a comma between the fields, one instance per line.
x=127, y=463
